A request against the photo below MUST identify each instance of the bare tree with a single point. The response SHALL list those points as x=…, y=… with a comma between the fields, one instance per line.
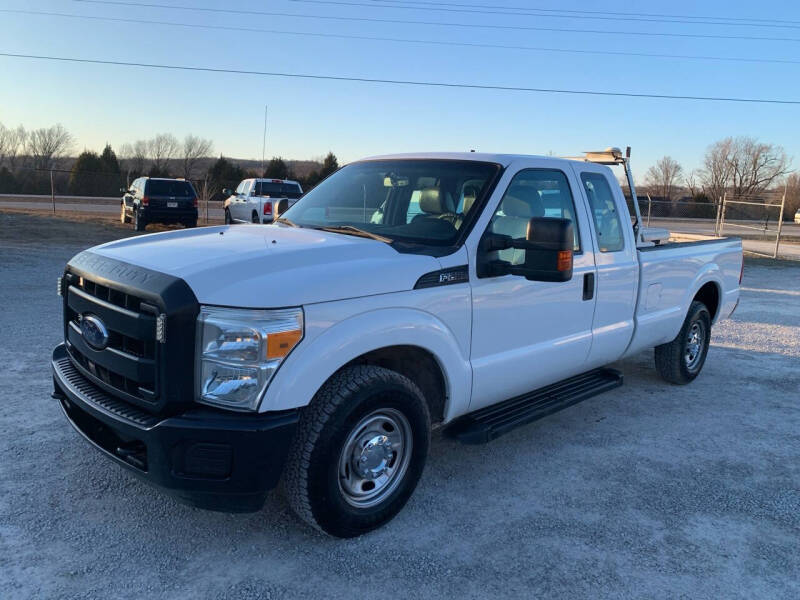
x=135, y=156
x=692, y=182
x=162, y=148
x=12, y=143
x=755, y=166
x=742, y=166
x=48, y=144
x=663, y=178
x=715, y=175
x=194, y=148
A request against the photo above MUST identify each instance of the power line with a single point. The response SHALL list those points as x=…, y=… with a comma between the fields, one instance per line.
x=439, y=84
x=401, y=40
x=527, y=12
x=232, y=11
x=746, y=20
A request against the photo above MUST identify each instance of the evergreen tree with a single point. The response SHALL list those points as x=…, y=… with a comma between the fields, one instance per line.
x=276, y=169
x=87, y=175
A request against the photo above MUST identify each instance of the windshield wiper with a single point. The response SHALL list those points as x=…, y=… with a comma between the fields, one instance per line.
x=351, y=230
x=286, y=222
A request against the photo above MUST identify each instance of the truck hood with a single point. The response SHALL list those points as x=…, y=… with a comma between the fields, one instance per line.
x=257, y=266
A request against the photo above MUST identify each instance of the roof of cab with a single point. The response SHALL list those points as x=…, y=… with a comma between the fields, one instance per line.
x=501, y=159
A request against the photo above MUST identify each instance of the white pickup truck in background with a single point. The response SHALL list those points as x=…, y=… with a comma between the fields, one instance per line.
x=259, y=200
x=476, y=291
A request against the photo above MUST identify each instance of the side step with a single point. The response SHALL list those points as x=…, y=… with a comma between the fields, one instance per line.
x=493, y=421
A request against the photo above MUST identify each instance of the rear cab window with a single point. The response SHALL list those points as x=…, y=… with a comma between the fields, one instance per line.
x=278, y=189
x=603, y=207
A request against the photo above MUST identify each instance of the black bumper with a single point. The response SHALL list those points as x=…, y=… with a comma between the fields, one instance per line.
x=203, y=457
x=168, y=215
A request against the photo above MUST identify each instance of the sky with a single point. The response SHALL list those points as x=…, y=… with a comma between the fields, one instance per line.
x=308, y=118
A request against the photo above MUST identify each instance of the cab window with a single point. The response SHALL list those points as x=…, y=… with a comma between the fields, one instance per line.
x=604, y=212
x=533, y=193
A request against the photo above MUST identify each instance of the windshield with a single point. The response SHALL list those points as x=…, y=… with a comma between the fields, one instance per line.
x=426, y=201
x=167, y=187
x=278, y=189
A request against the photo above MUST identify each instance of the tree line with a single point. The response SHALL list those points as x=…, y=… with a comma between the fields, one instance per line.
x=736, y=168
x=28, y=159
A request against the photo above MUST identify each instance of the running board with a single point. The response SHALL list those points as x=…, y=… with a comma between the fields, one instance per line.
x=491, y=422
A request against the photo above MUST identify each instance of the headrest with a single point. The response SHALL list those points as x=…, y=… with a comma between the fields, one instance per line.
x=430, y=201
x=514, y=207
x=470, y=195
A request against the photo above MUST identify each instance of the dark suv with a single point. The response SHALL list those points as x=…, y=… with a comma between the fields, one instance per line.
x=156, y=200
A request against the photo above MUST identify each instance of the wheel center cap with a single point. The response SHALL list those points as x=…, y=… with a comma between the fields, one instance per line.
x=374, y=457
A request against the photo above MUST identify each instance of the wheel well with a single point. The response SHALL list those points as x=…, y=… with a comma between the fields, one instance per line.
x=419, y=366
x=709, y=295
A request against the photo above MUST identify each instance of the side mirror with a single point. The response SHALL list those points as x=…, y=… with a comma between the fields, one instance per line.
x=548, y=247
x=281, y=206
x=123, y=190
x=227, y=192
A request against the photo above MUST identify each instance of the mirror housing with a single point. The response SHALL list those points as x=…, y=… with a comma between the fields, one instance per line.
x=281, y=206
x=227, y=192
x=548, y=247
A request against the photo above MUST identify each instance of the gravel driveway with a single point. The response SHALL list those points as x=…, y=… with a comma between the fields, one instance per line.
x=649, y=491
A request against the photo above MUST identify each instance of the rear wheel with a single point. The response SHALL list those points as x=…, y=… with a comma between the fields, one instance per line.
x=228, y=219
x=139, y=223
x=359, y=451
x=254, y=217
x=682, y=359
x=190, y=224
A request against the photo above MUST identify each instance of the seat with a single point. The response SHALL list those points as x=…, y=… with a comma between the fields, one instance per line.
x=433, y=205
x=514, y=221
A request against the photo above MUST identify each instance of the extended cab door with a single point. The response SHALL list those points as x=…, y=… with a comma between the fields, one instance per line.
x=616, y=260
x=527, y=334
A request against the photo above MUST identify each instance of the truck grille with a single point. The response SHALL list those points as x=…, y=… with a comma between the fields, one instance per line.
x=126, y=366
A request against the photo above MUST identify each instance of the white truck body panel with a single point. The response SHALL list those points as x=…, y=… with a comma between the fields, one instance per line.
x=493, y=337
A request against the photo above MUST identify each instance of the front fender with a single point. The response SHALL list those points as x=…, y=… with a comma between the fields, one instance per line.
x=328, y=348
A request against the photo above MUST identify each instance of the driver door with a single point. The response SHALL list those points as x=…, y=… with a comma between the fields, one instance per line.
x=528, y=334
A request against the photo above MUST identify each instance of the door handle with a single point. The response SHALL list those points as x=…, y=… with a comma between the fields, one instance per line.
x=588, y=286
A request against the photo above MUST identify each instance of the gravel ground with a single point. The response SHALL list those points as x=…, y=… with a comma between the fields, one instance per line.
x=647, y=491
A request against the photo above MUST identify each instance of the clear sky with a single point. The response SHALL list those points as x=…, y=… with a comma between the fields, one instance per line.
x=116, y=104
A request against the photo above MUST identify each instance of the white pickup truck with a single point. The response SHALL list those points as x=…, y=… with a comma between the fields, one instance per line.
x=474, y=291
x=260, y=200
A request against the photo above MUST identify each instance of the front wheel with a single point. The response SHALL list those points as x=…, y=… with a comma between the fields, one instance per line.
x=359, y=451
x=228, y=218
x=123, y=217
x=682, y=359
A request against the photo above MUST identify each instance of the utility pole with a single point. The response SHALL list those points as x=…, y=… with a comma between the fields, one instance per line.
x=264, y=143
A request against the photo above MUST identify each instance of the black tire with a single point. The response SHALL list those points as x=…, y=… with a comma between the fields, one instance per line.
x=327, y=427
x=254, y=217
x=139, y=222
x=228, y=219
x=680, y=361
x=190, y=224
x=123, y=217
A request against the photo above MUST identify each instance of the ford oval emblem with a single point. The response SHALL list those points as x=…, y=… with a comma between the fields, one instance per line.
x=94, y=332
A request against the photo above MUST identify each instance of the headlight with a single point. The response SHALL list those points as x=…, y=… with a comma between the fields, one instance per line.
x=239, y=351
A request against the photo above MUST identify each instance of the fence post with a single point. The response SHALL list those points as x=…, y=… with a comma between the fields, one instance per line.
x=52, y=192
x=649, y=208
x=722, y=216
x=780, y=224
x=716, y=218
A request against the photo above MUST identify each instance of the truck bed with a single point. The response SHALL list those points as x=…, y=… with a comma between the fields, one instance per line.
x=670, y=276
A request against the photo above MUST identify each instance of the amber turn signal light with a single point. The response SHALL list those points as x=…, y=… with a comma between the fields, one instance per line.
x=280, y=344
x=564, y=260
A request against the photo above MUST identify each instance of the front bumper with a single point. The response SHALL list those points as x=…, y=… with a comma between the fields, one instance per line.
x=207, y=458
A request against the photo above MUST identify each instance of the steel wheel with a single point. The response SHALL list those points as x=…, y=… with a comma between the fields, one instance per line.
x=375, y=457
x=695, y=342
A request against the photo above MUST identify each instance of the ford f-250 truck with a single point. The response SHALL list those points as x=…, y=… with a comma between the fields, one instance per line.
x=475, y=291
